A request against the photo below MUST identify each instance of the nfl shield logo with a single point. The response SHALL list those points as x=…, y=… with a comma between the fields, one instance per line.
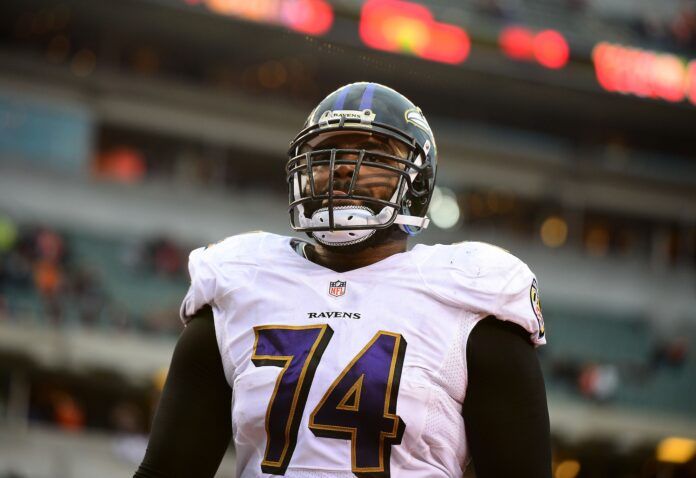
x=337, y=289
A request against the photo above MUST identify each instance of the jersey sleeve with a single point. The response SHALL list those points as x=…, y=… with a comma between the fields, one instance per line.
x=520, y=302
x=203, y=284
x=217, y=270
x=490, y=280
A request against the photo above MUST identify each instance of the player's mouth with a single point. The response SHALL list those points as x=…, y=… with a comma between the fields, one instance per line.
x=342, y=202
x=338, y=201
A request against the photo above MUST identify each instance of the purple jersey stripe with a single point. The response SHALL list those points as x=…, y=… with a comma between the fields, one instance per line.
x=341, y=99
x=366, y=100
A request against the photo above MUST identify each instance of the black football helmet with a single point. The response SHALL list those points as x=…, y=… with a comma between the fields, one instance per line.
x=332, y=217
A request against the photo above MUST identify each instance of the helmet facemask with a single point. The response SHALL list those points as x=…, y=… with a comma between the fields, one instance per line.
x=345, y=211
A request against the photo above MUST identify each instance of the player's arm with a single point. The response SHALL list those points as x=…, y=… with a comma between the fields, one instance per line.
x=505, y=410
x=192, y=426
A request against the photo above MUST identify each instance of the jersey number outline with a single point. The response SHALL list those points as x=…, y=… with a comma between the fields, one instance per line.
x=368, y=420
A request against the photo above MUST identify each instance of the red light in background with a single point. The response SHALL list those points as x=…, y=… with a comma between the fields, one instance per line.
x=313, y=17
x=551, y=49
x=517, y=43
x=691, y=81
x=601, y=57
x=669, y=78
x=548, y=48
x=395, y=25
x=643, y=73
x=448, y=44
x=406, y=27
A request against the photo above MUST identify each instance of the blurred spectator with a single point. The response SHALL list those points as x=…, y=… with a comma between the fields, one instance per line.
x=168, y=258
x=122, y=164
x=39, y=277
x=566, y=371
x=654, y=27
x=670, y=353
x=48, y=271
x=17, y=270
x=57, y=406
x=126, y=417
x=495, y=8
x=677, y=31
x=67, y=412
x=599, y=381
x=90, y=296
x=576, y=6
x=683, y=26
x=159, y=256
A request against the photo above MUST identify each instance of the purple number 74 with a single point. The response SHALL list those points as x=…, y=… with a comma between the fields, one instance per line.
x=360, y=405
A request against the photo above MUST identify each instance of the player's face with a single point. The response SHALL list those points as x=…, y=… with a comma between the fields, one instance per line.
x=372, y=181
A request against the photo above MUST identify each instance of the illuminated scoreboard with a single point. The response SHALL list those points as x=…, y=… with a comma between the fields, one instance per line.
x=407, y=27
x=313, y=17
x=547, y=47
x=644, y=73
x=411, y=28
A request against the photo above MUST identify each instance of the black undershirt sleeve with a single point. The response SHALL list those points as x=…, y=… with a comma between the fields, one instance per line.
x=192, y=427
x=505, y=410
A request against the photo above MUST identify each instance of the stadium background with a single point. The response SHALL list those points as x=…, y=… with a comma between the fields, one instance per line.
x=132, y=131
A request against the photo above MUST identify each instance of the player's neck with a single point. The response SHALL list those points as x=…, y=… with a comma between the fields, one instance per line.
x=341, y=261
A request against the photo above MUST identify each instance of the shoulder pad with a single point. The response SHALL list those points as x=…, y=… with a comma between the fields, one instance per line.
x=488, y=279
x=220, y=268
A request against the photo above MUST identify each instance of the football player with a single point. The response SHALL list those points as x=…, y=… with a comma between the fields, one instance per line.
x=351, y=355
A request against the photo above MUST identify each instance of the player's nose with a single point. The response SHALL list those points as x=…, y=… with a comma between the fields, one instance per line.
x=343, y=171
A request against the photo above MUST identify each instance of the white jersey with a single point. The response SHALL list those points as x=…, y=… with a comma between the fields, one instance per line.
x=336, y=374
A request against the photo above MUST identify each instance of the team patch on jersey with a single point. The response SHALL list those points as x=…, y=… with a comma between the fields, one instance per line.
x=337, y=289
x=536, y=305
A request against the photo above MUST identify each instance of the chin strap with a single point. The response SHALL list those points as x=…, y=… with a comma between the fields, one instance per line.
x=346, y=216
x=416, y=221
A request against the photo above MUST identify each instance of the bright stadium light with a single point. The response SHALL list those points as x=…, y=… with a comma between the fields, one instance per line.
x=691, y=81
x=676, y=450
x=554, y=231
x=444, y=208
x=644, y=73
x=551, y=49
x=313, y=17
x=517, y=42
x=567, y=469
x=548, y=47
x=406, y=27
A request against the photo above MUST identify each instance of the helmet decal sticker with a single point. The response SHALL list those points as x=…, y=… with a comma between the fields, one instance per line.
x=415, y=116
